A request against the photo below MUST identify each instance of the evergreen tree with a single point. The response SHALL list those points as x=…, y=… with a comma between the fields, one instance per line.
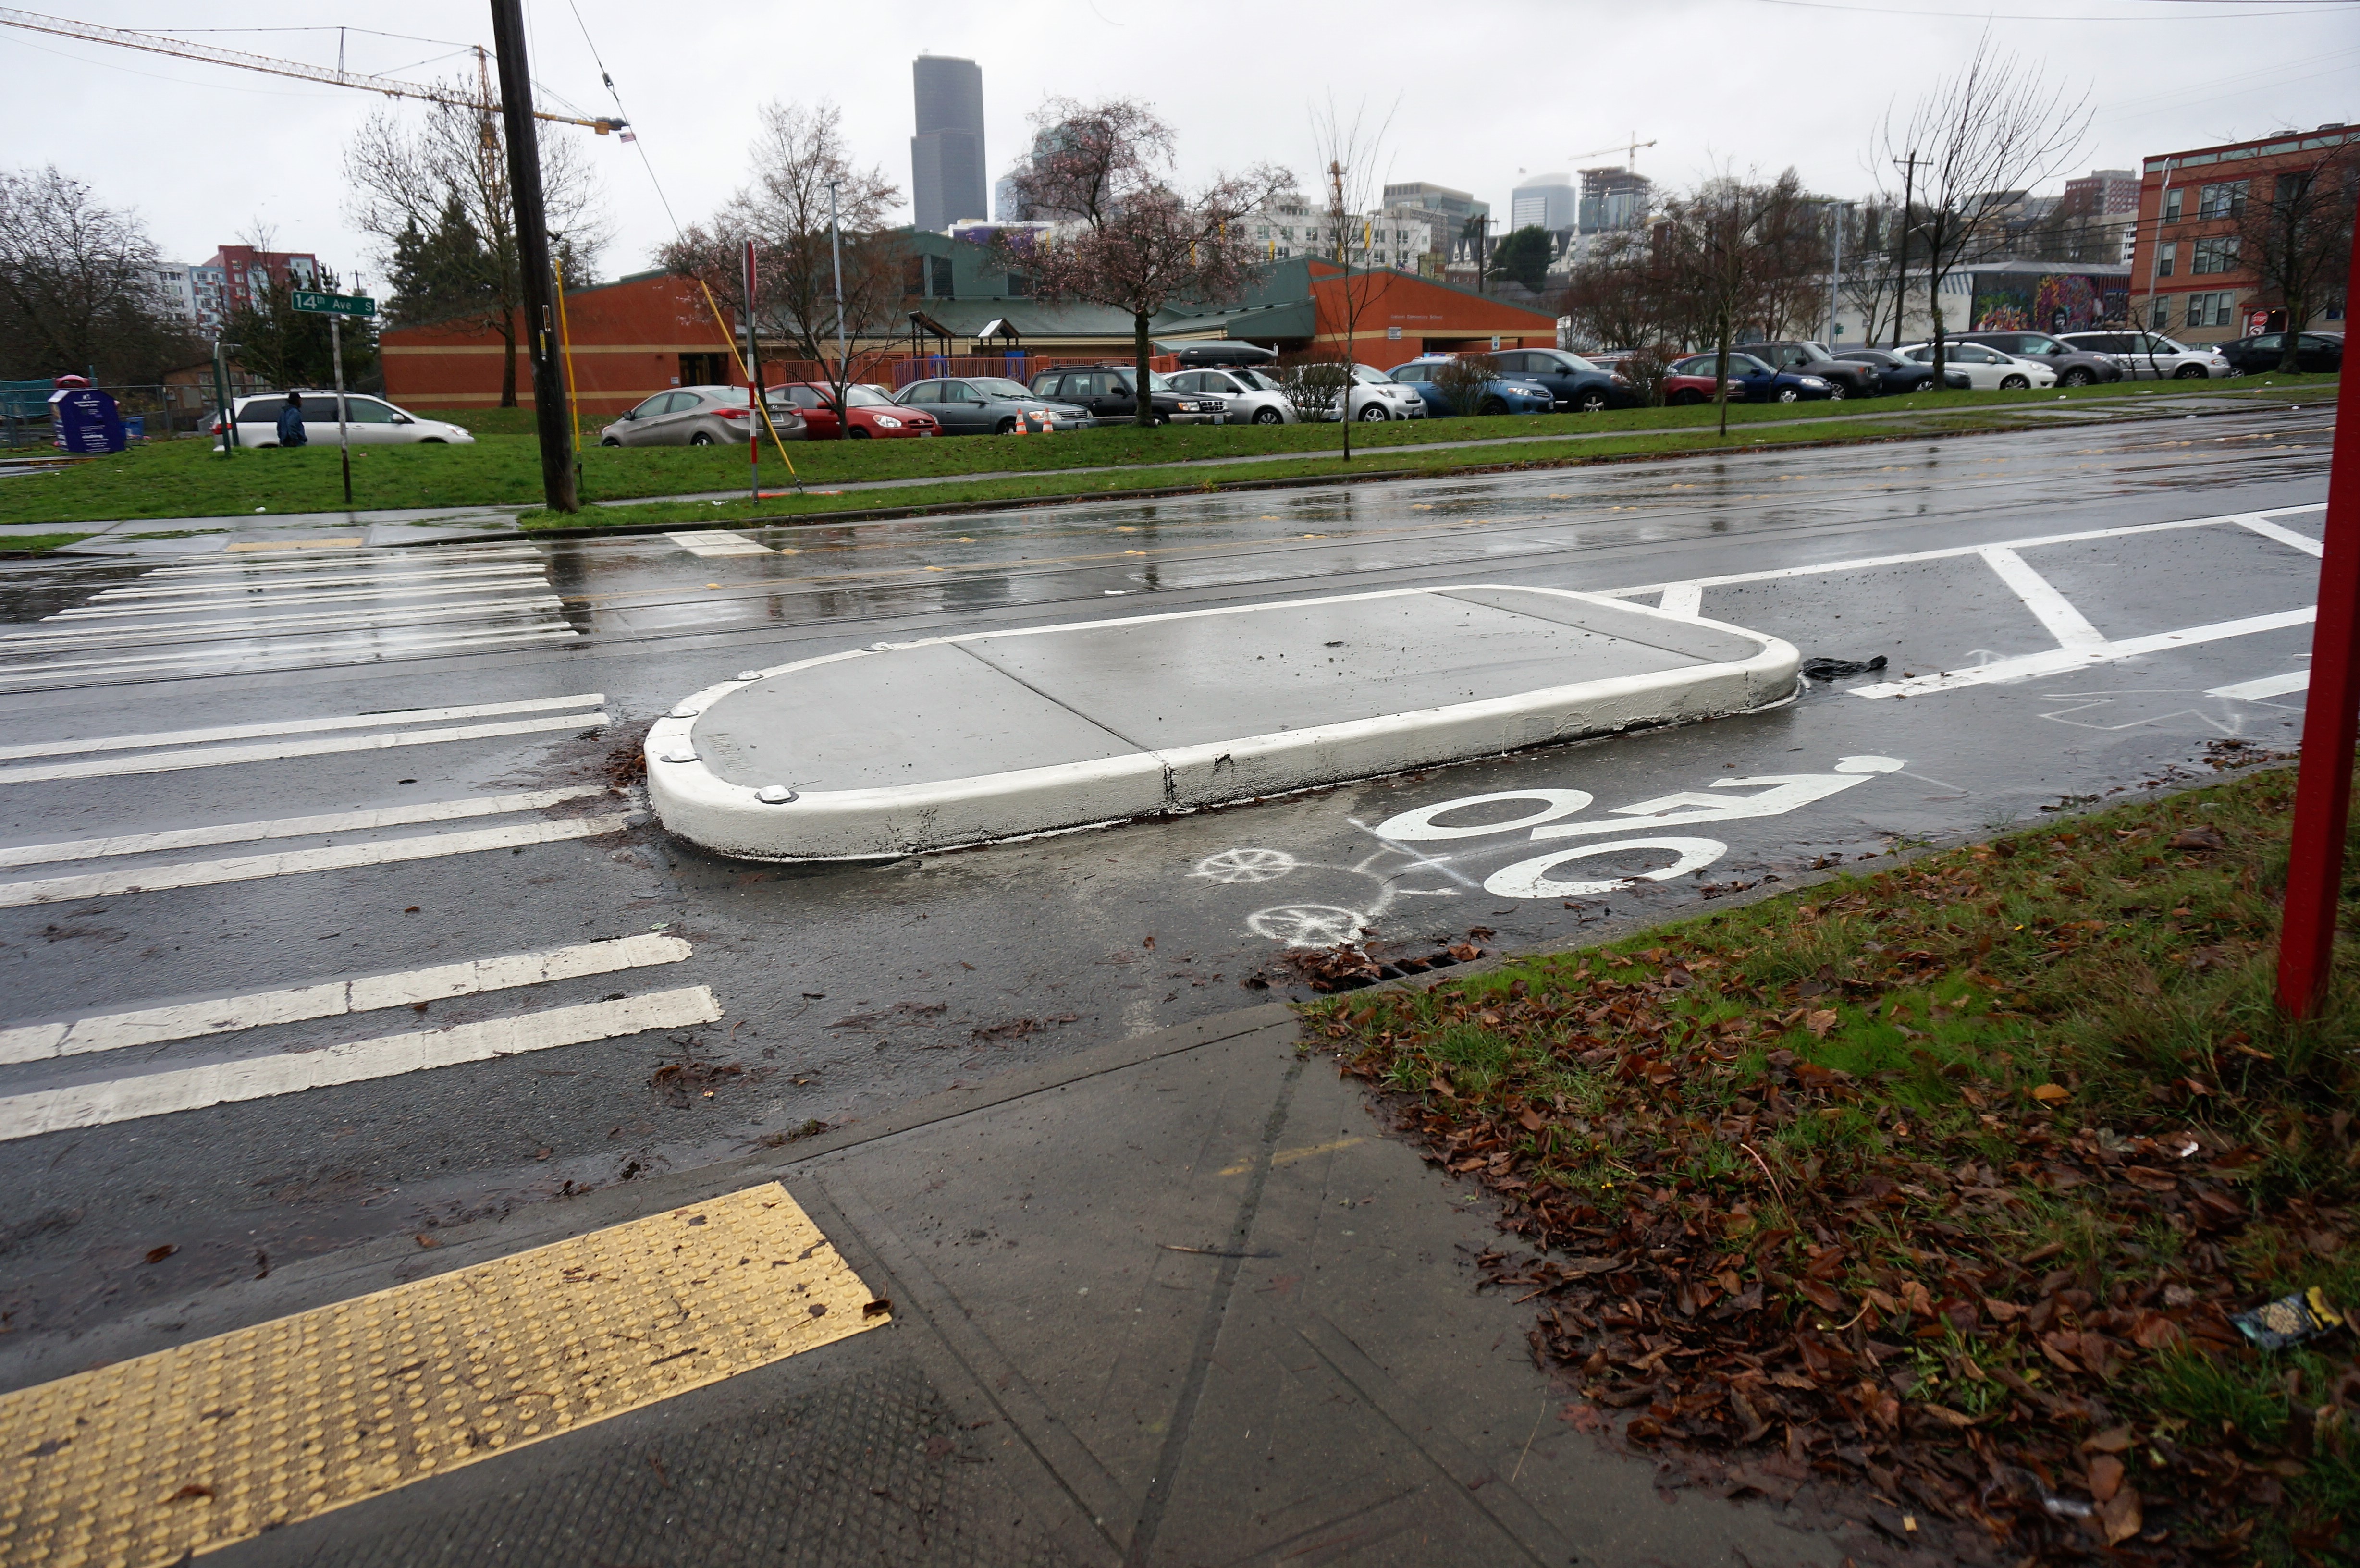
x=1524, y=256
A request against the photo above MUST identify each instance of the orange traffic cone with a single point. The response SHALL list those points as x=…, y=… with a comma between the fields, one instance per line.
x=1023, y=426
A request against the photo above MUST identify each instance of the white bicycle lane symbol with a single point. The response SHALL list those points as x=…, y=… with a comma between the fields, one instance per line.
x=1398, y=861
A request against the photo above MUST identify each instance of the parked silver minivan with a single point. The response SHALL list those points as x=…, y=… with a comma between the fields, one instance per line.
x=2152, y=356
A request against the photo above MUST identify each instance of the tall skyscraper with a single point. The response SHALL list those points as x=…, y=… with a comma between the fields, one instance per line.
x=947, y=183
x=1545, y=201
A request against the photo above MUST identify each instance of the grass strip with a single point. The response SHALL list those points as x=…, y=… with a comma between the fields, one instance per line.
x=1945, y=1181
x=188, y=479
x=37, y=544
x=960, y=494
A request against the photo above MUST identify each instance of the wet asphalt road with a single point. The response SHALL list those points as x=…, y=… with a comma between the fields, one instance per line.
x=844, y=989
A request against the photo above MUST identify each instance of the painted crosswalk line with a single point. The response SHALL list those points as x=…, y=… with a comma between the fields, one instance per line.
x=259, y=655
x=284, y=1420
x=2268, y=686
x=296, y=727
x=717, y=542
x=355, y=606
x=332, y=998
x=273, y=751
x=133, y=1098
x=289, y=862
x=323, y=826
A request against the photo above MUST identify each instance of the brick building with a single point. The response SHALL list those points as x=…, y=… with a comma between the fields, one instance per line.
x=638, y=335
x=2188, y=278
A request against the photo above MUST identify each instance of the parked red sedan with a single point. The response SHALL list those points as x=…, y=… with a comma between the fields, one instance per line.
x=873, y=414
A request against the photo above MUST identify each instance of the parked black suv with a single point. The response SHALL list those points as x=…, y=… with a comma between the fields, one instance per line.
x=1106, y=391
x=1804, y=357
x=1895, y=373
x=2074, y=366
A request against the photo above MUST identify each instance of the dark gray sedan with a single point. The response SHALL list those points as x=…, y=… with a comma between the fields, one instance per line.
x=990, y=404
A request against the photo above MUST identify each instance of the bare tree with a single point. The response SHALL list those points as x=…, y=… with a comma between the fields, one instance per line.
x=1318, y=387
x=1789, y=267
x=2297, y=242
x=447, y=174
x=1123, y=236
x=1871, y=264
x=1465, y=380
x=1349, y=153
x=78, y=285
x=1715, y=238
x=1624, y=294
x=798, y=157
x=1995, y=126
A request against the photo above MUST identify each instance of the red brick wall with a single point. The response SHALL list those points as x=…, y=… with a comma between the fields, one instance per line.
x=626, y=341
x=1431, y=317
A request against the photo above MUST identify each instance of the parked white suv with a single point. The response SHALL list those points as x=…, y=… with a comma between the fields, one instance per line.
x=2152, y=356
x=1987, y=369
x=368, y=422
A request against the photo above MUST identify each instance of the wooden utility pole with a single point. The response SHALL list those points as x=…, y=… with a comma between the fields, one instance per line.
x=532, y=257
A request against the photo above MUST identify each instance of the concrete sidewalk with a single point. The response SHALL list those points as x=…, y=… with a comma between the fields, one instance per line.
x=1179, y=1300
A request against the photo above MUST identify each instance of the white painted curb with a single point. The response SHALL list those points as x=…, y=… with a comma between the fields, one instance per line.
x=860, y=824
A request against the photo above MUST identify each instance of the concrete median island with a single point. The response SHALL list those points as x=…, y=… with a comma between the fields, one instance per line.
x=905, y=748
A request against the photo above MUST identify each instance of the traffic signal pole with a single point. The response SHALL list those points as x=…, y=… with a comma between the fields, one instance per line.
x=2323, y=796
x=532, y=257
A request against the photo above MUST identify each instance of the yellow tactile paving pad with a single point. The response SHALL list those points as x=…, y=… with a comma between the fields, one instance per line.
x=208, y=1444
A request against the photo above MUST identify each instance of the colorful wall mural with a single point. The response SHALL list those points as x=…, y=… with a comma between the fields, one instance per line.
x=2049, y=302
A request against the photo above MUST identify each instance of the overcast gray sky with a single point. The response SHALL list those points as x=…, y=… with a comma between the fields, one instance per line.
x=1477, y=89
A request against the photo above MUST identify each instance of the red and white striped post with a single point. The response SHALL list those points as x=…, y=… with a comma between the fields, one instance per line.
x=2322, y=794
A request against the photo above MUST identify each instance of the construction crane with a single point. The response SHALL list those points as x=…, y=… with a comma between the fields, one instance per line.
x=90, y=32
x=1630, y=151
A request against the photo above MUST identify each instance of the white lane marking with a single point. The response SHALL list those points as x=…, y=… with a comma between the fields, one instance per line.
x=2053, y=610
x=291, y=569
x=541, y=608
x=1863, y=562
x=379, y=578
x=2058, y=661
x=223, y=756
x=332, y=998
x=192, y=1088
x=295, y=601
x=335, y=857
x=367, y=645
x=1683, y=599
x=717, y=543
x=2259, y=524
x=291, y=827
x=297, y=726
x=2268, y=686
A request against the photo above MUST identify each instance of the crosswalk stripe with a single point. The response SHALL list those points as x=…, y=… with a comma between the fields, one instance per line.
x=375, y=645
x=223, y=756
x=715, y=542
x=85, y=634
x=192, y=1088
x=296, y=727
x=235, y=587
x=243, y=569
x=296, y=601
x=2268, y=686
x=334, y=858
x=293, y=827
x=332, y=998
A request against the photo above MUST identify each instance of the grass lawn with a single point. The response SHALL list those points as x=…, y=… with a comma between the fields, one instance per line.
x=35, y=544
x=184, y=479
x=1946, y=1179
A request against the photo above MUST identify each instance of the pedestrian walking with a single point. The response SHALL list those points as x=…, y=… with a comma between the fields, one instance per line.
x=290, y=422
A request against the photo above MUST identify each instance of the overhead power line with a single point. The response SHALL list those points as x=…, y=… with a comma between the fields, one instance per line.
x=91, y=32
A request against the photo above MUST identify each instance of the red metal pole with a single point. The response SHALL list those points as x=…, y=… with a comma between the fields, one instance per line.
x=2322, y=794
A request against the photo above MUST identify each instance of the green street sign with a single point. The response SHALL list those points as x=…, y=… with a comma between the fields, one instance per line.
x=334, y=304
